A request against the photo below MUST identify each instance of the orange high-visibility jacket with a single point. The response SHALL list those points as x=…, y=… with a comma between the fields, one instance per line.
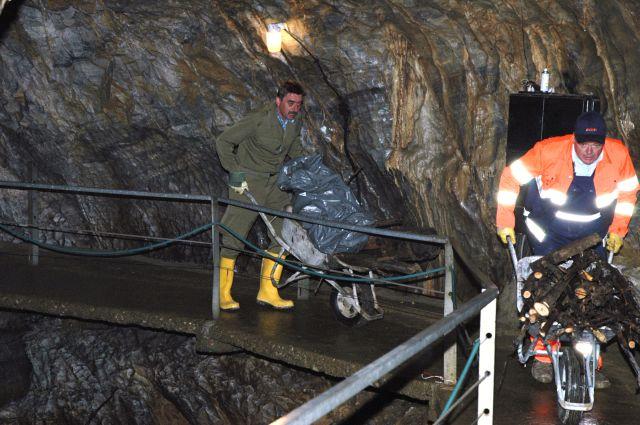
x=550, y=160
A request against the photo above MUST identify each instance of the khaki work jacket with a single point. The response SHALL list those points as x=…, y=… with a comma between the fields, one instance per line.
x=258, y=144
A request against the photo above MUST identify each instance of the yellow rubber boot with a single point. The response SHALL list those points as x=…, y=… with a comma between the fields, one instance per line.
x=268, y=294
x=226, y=280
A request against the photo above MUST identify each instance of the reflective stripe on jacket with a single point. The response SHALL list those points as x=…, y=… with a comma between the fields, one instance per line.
x=550, y=159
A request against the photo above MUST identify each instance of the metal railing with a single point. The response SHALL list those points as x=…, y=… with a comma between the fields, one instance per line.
x=314, y=409
x=128, y=194
x=450, y=355
x=484, y=303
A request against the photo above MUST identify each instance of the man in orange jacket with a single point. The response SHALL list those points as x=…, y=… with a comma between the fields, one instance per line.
x=582, y=183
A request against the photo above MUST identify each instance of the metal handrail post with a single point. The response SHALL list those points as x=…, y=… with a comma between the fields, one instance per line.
x=450, y=355
x=32, y=218
x=215, y=255
x=315, y=408
x=486, y=363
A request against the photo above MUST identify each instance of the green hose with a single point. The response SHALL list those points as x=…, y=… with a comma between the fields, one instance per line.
x=463, y=375
x=105, y=254
x=201, y=229
x=328, y=276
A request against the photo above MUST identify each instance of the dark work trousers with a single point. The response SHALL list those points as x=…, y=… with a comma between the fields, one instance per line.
x=263, y=187
x=581, y=198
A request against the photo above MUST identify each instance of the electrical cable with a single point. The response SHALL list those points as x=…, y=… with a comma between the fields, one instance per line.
x=524, y=46
x=464, y=396
x=105, y=254
x=447, y=407
x=175, y=240
x=201, y=229
x=478, y=419
x=343, y=109
x=305, y=270
x=112, y=235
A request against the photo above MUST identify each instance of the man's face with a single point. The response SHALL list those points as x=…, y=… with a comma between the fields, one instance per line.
x=588, y=152
x=289, y=105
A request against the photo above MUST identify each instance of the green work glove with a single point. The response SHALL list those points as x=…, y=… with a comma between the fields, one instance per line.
x=238, y=182
x=614, y=242
x=507, y=231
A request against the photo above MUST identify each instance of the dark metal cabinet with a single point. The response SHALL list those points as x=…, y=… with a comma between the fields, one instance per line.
x=536, y=116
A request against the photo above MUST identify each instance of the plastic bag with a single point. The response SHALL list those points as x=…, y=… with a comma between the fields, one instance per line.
x=321, y=193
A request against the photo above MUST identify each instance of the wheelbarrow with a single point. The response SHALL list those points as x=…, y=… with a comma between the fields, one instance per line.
x=574, y=355
x=353, y=298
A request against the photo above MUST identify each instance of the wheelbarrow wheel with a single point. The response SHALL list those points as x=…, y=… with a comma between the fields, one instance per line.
x=572, y=378
x=343, y=307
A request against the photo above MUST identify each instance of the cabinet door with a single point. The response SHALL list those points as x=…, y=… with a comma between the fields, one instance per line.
x=525, y=124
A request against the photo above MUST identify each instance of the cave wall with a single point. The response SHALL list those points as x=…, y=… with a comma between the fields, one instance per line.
x=76, y=372
x=131, y=95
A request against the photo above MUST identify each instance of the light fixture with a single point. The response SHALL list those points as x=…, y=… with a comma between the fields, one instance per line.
x=274, y=37
x=584, y=347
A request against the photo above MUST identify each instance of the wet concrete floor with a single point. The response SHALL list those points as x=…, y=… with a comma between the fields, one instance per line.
x=178, y=298
x=519, y=399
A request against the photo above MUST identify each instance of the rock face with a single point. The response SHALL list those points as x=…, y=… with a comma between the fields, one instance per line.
x=92, y=373
x=15, y=367
x=131, y=95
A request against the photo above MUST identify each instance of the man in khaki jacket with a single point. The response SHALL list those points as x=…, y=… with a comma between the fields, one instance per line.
x=252, y=151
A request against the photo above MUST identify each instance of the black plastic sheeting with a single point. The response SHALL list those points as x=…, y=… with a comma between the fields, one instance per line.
x=319, y=192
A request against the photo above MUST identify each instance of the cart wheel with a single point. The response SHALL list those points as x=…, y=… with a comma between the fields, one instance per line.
x=574, y=385
x=343, y=307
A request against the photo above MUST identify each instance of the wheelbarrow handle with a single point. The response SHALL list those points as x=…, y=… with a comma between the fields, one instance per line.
x=267, y=222
x=512, y=252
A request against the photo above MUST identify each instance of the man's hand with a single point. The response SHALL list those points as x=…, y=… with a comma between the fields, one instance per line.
x=240, y=189
x=614, y=242
x=507, y=231
x=237, y=182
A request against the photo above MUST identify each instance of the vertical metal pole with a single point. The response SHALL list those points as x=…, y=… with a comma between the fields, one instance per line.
x=215, y=254
x=486, y=362
x=304, y=288
x=32, y=217
x=450, y=355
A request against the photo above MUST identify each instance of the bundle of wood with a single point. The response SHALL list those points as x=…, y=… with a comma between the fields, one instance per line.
x=577, y=288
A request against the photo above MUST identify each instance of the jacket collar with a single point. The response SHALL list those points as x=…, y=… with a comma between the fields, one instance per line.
x=607, y=146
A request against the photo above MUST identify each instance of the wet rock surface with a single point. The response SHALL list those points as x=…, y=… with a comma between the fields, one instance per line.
x=15, y=367
x=132, y=95
x=92, y=373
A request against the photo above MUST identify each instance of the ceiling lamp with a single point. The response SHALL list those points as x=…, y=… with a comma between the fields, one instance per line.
x=274, y=37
